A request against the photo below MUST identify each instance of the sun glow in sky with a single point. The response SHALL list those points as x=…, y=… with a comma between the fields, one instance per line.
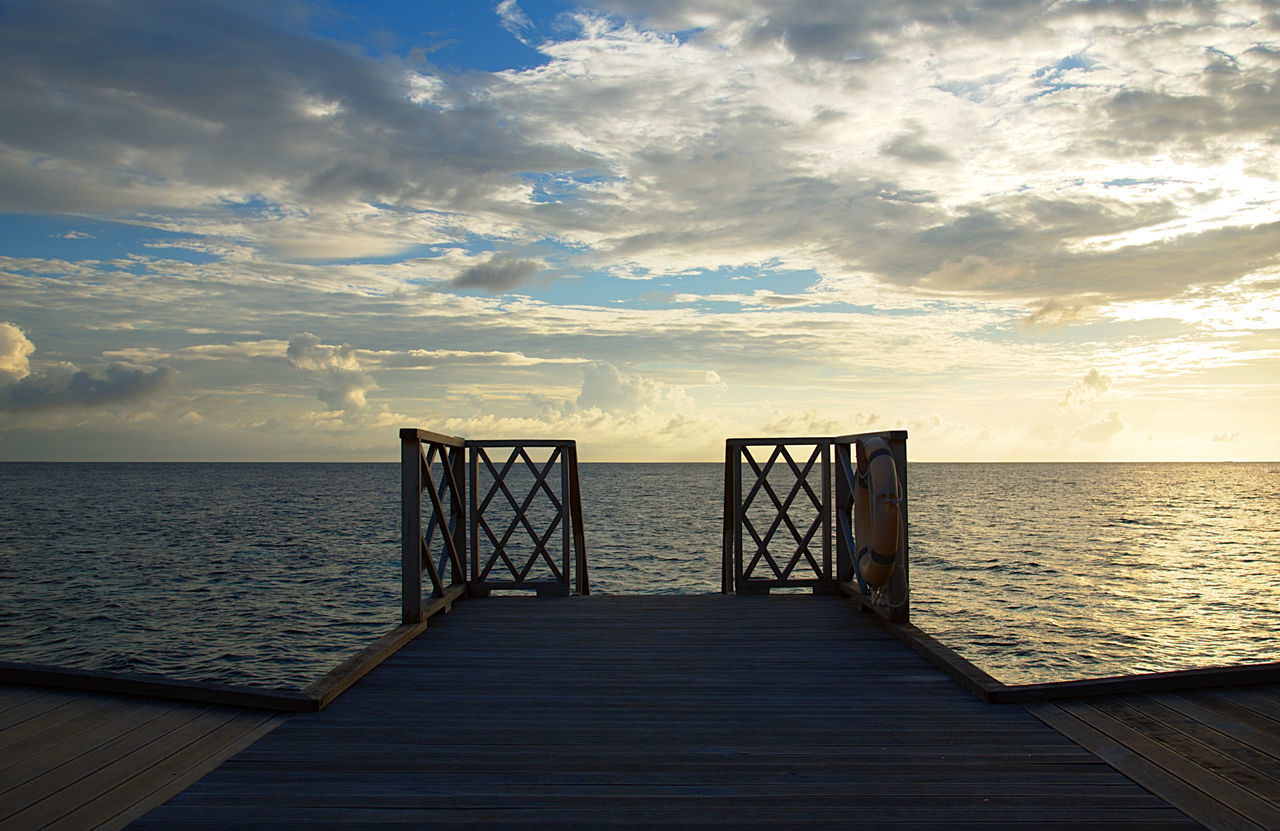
x=1019, y=230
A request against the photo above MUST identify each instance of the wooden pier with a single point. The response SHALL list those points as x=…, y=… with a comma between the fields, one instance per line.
x=564, y=710
x=732, y=711
x=634, y=711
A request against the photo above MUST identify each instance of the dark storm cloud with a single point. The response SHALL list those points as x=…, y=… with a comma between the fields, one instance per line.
x=70, y=388
x=498, y=274
x=911, y=147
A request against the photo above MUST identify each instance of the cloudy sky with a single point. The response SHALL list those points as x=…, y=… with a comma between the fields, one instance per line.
x=1020, y=230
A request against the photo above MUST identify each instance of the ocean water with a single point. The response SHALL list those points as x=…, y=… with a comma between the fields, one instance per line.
x=270, y=574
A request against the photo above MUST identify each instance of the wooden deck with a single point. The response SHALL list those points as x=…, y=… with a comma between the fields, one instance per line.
x=638, y=711
x=635, y=711
x=71, y=760
x=1213, y=753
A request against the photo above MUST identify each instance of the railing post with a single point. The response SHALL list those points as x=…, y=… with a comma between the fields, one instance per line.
x=582, y=584
x=737, y=518
x=410, y=526
x=827, y=515
x=457, y=461
x=473, y=515
x=726, y=545
x=901, y=613
x=566, y=530
x=843, y=510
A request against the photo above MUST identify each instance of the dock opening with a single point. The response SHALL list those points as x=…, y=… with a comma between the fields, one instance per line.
x=504, y=516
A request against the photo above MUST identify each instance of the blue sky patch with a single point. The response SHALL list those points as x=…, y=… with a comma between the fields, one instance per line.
x=565, y=186
x=455, y=36
x=75, y=239
x=1127, y=182
x=1050, y=77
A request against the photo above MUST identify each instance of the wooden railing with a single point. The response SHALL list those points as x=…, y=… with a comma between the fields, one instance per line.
x=511, y=525
x=789, y=518
x=493, y=552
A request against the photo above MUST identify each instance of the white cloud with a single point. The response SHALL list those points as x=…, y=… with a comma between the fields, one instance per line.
x=346, y=382
x=1086, y=390
x=1103, y=429
x=513, y=19
x=306, y=351
x=608, y=389
x=15, y=352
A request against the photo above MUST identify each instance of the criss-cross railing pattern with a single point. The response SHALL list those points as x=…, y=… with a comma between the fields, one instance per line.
x=762, y=520
x=805, y=486
x=434, y=466
x=499, y=538
x=502, y=557
x=783, y=512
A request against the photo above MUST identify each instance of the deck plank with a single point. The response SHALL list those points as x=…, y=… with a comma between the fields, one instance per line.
x=33, y=706
x=118, y=755
x=34, y=758
x=1151, y=775
x=634, y=711
x=55, y=726
x=1246, y=734
x=152, y=781
x=1201, y=757
x=1211, y=749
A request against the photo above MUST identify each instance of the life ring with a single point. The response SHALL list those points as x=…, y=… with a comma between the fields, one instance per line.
x=877, y=521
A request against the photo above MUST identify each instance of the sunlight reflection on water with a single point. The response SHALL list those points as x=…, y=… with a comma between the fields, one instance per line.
x=1040, y=572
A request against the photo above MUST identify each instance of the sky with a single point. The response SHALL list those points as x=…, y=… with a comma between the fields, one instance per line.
x=1021, y=231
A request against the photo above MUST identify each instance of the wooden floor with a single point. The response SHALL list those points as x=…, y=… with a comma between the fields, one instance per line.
x=645, y=711
x=91, y=760
x=1213, y=753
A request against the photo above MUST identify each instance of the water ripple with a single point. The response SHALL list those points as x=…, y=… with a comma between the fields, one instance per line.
x=269, y=575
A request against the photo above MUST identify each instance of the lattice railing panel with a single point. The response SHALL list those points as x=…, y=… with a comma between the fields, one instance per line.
x=433, y=528
x=789, y=517
x=445, y=506
x=475, y=520
x=782, y=555
x=526, y=517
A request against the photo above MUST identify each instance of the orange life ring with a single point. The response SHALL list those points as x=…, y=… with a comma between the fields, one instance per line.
x=877, y=521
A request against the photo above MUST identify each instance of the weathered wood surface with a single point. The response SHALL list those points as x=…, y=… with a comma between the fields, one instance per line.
x=129, y=683
x=1213, y=753
x=76, y=760
x=316, y=696
x=596, y=712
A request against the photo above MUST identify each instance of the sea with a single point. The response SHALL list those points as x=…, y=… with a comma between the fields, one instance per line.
x=269, y=575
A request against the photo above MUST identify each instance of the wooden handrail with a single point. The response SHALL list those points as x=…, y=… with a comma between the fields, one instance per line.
x=890, y=436
x=416, y=477
x=428, y=436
